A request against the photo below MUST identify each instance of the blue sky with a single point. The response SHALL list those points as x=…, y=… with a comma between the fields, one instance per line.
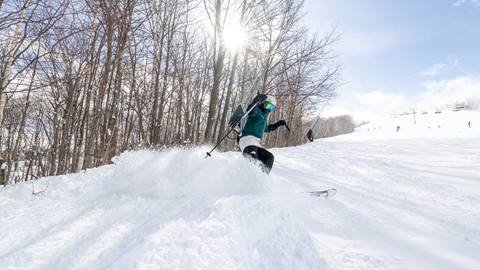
x=401, y=54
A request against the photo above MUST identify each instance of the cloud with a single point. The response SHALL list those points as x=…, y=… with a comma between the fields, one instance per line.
x=370, y=105
x=442, y=92
x=380, y=100
x=434, y=70
x=458, y=3
x=439, y=68
x=374, y=105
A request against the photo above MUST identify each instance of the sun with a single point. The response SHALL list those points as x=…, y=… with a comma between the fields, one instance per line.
x=235, y=36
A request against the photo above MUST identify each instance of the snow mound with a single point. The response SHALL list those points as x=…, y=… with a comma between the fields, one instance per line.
x=155, y=210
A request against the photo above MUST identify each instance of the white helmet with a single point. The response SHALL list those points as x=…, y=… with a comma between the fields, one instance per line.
x=271, y=99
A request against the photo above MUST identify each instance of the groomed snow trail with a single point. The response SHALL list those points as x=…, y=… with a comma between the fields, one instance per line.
x=403, y=202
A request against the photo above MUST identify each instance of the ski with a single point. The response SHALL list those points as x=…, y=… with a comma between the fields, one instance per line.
x=322, y=193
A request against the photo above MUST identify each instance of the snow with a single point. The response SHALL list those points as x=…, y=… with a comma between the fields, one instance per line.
x=406, y=200
x=443, y=124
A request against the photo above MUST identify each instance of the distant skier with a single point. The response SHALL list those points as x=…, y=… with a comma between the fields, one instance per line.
x=255, y=126
x=469, y=124
x=398, y=128
x=310, y=135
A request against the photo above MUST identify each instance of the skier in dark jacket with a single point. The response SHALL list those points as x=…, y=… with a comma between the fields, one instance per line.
x=310, y=135
x=255, y=126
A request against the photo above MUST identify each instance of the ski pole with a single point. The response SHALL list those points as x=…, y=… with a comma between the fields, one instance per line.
x=209, y=154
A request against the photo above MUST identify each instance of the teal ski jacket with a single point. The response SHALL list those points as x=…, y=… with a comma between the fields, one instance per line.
x=256, y=124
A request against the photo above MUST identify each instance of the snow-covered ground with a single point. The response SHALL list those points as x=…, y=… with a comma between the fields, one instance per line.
x=446, y=124
x=406, y=200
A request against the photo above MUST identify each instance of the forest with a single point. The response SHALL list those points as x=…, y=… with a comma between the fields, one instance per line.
x=82, y=81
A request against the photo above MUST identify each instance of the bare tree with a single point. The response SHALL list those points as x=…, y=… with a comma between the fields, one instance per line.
x=84, y=80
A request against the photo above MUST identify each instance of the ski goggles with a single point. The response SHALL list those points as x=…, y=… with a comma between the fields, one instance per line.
x=270, y=106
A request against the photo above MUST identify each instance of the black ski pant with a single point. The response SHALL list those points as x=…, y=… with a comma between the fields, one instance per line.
x=261, y=154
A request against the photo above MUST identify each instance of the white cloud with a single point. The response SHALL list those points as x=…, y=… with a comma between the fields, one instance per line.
x=458, y=3
x=373, y=105
x=439, y=68
x=381, y=101
x=434, y=70
x=441, y=92
x=369, y=105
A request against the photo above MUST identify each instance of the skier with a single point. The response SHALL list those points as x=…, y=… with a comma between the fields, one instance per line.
x=254, y=128
x=310, y=135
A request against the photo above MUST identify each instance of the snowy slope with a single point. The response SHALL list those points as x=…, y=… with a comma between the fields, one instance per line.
x=446, y=124
x=403, y=203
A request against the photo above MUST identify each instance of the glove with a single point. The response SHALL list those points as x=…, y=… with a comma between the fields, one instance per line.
x=278, y=124
x=281, y=123
x=236, y=128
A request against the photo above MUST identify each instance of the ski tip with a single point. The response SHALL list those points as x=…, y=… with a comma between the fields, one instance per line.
x=322, y=193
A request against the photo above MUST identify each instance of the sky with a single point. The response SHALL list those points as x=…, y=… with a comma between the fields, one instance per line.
x=401, y=55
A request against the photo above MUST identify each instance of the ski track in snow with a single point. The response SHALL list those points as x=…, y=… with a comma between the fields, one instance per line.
x=409, y=202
